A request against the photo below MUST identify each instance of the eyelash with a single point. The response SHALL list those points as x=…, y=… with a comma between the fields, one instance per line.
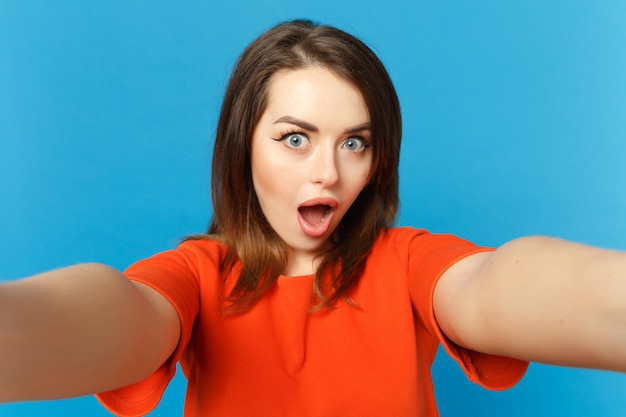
x=284, y=135
x=366, y=143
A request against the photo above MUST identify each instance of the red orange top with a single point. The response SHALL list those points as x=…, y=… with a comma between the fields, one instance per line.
x=279, y=359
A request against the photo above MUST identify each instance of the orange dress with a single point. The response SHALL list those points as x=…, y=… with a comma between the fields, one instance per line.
x=278, y=359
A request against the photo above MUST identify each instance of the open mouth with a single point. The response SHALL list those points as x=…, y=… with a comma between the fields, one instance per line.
x=316, y=214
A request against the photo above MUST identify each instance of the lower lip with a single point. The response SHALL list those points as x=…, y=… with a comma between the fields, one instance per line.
x=316, y=230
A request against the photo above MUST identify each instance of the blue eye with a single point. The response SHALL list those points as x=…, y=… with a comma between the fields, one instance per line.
x=355, y=144
x=295, y=139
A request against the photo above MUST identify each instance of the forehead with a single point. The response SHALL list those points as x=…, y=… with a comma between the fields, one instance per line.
x=315, y=91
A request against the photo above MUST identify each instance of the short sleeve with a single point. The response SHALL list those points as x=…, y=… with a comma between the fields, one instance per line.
x=174, y=274
x=430, y=255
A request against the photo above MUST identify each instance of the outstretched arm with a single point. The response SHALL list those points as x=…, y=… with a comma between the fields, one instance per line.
x=80, y=330
x=539, y=299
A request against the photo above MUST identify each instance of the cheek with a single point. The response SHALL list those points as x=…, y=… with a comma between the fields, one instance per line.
x=268, y=177
x=260, y=167
x=355, y=178
x=362, y=174
x=262, y=180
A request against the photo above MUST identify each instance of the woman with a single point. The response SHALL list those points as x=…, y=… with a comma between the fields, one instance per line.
x=302, y=299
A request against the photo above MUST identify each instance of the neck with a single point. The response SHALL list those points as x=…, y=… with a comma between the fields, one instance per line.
x=301, y=263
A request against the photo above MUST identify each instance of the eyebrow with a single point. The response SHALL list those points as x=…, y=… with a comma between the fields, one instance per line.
x=308, y=126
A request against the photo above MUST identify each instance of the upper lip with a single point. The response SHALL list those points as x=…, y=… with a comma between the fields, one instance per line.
x=323, y=201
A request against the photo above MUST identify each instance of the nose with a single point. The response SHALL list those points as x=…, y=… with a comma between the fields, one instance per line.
x=324, y=168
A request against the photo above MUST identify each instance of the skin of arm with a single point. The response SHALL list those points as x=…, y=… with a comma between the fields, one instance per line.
x=539, y=299
x=80, y=330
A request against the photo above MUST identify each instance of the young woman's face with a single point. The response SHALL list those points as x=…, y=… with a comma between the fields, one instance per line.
x=311, y=157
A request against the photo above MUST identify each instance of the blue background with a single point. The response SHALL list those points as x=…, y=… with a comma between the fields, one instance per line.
x=514, y=118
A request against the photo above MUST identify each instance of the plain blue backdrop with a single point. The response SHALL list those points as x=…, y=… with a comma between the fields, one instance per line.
x=514, y=121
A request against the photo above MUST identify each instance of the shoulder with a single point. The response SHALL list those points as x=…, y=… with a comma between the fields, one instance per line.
x=402, y=246
x=421, y=252
x=192, y=255
x=202, y=245
x=398, y=235
x=410, y=239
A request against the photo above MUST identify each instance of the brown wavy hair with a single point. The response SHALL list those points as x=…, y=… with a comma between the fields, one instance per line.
x=256, y=255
